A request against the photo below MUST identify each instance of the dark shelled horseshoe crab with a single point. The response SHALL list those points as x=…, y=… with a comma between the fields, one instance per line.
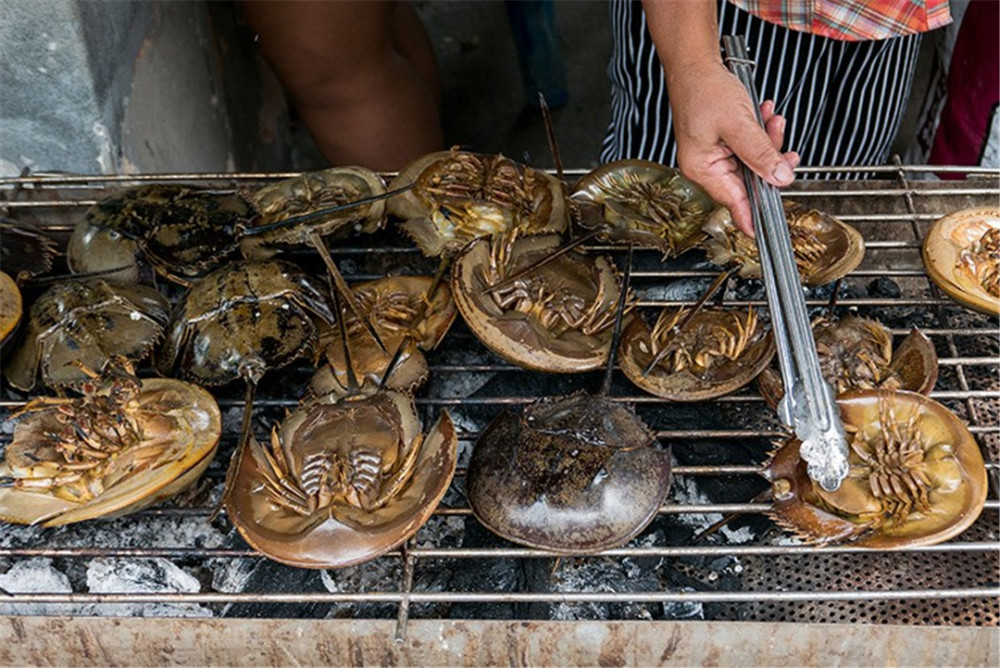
x=25, y=252
x=962, y=255
x=641, y=202
x=121, y=446
x=856, y=354
x=86, y=322
x=574, y=474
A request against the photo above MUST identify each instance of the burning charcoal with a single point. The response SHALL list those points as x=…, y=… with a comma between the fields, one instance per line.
x=375, y=575
x=884, y=287
x=142, y=576
x=495, y=575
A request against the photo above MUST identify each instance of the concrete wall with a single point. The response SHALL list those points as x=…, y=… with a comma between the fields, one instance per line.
x=98, y=87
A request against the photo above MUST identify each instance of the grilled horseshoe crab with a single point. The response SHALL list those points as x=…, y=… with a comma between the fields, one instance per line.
x=642, y=202
x=556, y=317
x=342, y=481
x=85, y=322
x=457, y=196
x=10, y=307
x=405, y=313
x=717, y=352
x=856, y=354
x=575, y=474
x=123, y=445
x=962, y=255
x=311, y=193
x=24, y=251
x=917, y=477
x=825, y=248
x=241, y=320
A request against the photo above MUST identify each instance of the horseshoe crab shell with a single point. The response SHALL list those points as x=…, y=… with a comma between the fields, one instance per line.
x=961, y=253
x=856, y=354
x=178, y=427
x=916, y=478
x=643, y=202
x=345, y=480
x=717, y=352
x=575, y=474
x=458, y=196
x=556, y=318
x=825, y=248
x=85, y=321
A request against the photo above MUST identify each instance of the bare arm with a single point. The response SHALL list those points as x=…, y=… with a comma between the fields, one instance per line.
x=713, y=116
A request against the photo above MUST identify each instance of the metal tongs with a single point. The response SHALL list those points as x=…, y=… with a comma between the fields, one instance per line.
x=808, y=406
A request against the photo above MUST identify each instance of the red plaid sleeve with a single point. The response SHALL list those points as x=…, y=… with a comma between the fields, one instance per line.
x=852, y=20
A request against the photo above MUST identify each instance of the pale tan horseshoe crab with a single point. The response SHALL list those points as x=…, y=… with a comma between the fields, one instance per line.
x=917, y=477
x=11, y=307
x=962, y=255
x=825, y=248
x=556, y=317
x=123, y=445
x=458, y=196
x=718, y=351
x=343, y=479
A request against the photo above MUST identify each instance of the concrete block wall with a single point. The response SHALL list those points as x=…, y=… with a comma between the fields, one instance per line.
x=99, y=87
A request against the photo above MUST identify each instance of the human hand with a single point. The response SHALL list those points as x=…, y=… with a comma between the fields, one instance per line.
x=714, y=122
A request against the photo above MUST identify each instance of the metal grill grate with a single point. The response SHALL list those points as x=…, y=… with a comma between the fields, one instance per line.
x=455, y=568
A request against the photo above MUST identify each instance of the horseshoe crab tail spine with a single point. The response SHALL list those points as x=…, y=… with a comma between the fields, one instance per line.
x=241, y=446
x=48, y=280
x=719, y=281
x=550, y=133
x=832, y=304
x=343, y=289
x=579, y=241
x=616, y=333
x=352, y=379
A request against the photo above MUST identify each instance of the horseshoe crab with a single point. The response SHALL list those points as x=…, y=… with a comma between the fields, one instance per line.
x=241, y=320
x=962, y=255
x=11, y=307
x=411, y=313
x=917, y=477
x=314, y=192
x=85, y=322
x=825, y=248
x=121, y=446
x=180, y=231
x=556, y=317
x=574, y=474
x=458, y=196
x=718, y=351
x=642, y=202
x=25, y=252
x=343, y=480
x=856, y=354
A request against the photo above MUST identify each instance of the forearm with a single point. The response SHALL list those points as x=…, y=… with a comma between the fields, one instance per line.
x=686, y=34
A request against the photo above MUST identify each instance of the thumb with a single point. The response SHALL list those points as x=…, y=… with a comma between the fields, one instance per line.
x=753, y=146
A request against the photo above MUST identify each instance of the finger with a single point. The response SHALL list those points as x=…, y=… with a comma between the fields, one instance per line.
x=754, y=146
x=767, y=109
x=793, y=158
x=775, y=127
x=723, y=181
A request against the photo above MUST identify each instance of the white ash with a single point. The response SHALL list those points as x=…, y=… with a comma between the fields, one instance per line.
x=685, y=491
x=230, y=576
x=377, y=575
x=684, y=609
x=36, y=576
x=142, y=576
x=139, y=530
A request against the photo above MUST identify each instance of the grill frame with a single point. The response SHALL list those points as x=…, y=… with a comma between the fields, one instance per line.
x=58, y=195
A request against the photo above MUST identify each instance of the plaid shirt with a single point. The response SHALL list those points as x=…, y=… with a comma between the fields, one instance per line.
x=852, y=20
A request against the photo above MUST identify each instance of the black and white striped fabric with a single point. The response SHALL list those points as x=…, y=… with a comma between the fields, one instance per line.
x=843, y=101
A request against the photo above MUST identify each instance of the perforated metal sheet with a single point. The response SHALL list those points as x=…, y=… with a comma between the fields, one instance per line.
x=455, y=569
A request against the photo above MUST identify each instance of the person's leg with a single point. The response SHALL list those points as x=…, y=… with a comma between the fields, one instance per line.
x=363, y=101
x=410, y=38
